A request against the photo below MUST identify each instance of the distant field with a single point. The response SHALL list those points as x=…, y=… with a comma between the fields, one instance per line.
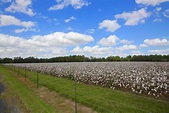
x=134, y=77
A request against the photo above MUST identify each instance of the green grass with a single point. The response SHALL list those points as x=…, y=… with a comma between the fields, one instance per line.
x=28, y=99
x=102, y=100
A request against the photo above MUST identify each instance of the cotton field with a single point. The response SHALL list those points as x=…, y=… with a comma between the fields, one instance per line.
x=150, y=78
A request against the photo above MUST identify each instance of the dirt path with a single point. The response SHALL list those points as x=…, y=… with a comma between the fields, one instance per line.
x=62, y=104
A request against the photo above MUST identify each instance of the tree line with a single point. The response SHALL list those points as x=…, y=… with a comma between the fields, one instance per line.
x=82, y=58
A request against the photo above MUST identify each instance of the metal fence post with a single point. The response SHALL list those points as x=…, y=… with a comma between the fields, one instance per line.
x=37, y=80
x=25, y=73
x=75, y=94
x=18, y=71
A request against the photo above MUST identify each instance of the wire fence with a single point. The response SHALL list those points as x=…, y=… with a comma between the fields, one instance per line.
x=20, y=72
x=73, y=94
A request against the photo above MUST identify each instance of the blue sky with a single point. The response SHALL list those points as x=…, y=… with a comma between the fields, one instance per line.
x=99, y=28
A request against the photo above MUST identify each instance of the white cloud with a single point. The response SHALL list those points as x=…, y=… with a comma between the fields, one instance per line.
x=156, y=42
x=160, y=51
x=7, y=20
x=136, y=52
x=21, y=6
x=76, y=4
x=25, y=30
x=93, y=51
x=90, y=31
x=109, y=41
x=126, y=42
x=166, y=13
x=61, y=39
x=143, y=45
x=150, y=2
x=98, y=51
x=77, y=50
x=40, y=52
x=158, y=9
x=157, y=20
x=110, y=25
x=9, y=41
x=135, y=17
x=64, y=39
x=127, y=47
x=20, y=30
x=157, y=14
x=70, y=19
x=28, y=24
x=41, y=46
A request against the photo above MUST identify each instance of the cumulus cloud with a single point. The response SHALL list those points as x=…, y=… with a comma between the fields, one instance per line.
x=41, y=46
x=158, y=9
x=98, y=51
x=127, y=42
x=76, y=4
x=11, y=46
x=93, y=51
x=7, y=20
x=135, y=17
x=150, y=2
x=143, y=45
x=136, y=52
x=64, y=39
x=110, y=25
x=160, y=51
x=9, y=41
x=109, y=41
x=156, y=42
x=70, y=19
x=21, y=6
x=20, y=30
x=166, y=13
x=127, y=47
x=24, y=30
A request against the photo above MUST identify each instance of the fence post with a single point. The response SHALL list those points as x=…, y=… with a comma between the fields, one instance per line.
x=18, y=71
x=37, y=80
x=25, y=73
x=75, y=94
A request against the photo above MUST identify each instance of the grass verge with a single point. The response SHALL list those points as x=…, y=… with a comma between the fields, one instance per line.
x=28, y=100
x=102, y=100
